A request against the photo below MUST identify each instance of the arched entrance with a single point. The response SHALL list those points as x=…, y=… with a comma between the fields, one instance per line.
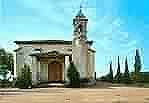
x=55, y=72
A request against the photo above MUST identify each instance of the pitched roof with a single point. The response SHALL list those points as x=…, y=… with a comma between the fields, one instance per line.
x=48, y=42
x=44, y=42
x=92, y=50
x=17, y=49
x=80, y=13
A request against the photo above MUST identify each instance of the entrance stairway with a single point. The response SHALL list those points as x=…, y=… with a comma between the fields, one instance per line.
x=59, y=84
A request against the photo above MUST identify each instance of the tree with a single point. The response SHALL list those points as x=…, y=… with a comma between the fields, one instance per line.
x=137, y=66
x=110, y=75
x=24, y=79
x=3, y=57
x=10, y=62
x=118, y=74
x=7, y=59
x=73, y=76
x=126, y=75
x=4, y=73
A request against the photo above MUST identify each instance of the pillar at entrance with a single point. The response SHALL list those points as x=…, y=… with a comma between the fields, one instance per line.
x=38, y=71
x=66, y=67
x=34, y=70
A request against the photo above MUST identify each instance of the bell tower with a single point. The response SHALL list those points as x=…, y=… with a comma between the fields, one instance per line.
x=80, y=25
x=79, y=43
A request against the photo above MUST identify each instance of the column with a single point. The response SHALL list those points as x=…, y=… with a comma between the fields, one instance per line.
x=63, y=70
x=39, y=71
x=93, y=65
x=15, y=65
x=66, y=67
x=34, y=70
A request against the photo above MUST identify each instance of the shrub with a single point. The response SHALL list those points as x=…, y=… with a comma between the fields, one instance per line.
x=24, y=80
x=109, y=76
x=5, y=83
x=103, y=78
x=137, y=67
x=106, y=78
x=84, y=80
x=126, y=75
x=144, y=77
x=73, y=76
x=125, y=79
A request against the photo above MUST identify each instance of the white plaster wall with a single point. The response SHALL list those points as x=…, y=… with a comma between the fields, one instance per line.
x=47, y=48
x=80, y=55
x=19, y=64
x=22, y=56
x=84, y=59
x=76, y=57
x=88, y=65
x=92, y=64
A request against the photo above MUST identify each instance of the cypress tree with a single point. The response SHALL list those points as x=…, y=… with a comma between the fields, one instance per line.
x=118, y=74
x=24, y=80
x=126, y=76
x=137, y=66
x=110, y=76
x=73, y=75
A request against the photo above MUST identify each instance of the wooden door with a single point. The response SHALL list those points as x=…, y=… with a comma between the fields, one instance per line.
x=55, y=71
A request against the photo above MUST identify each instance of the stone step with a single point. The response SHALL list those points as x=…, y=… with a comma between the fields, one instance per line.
x=50, y=85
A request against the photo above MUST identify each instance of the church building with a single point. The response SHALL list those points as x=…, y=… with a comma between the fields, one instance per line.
x=49, y=59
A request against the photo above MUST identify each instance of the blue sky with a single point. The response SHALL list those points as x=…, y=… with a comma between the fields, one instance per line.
x=118, y=27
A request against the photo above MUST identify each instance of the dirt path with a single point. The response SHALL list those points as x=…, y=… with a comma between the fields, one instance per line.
x=68, y=95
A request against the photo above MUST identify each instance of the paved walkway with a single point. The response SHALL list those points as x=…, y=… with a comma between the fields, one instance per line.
x=77, y=95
